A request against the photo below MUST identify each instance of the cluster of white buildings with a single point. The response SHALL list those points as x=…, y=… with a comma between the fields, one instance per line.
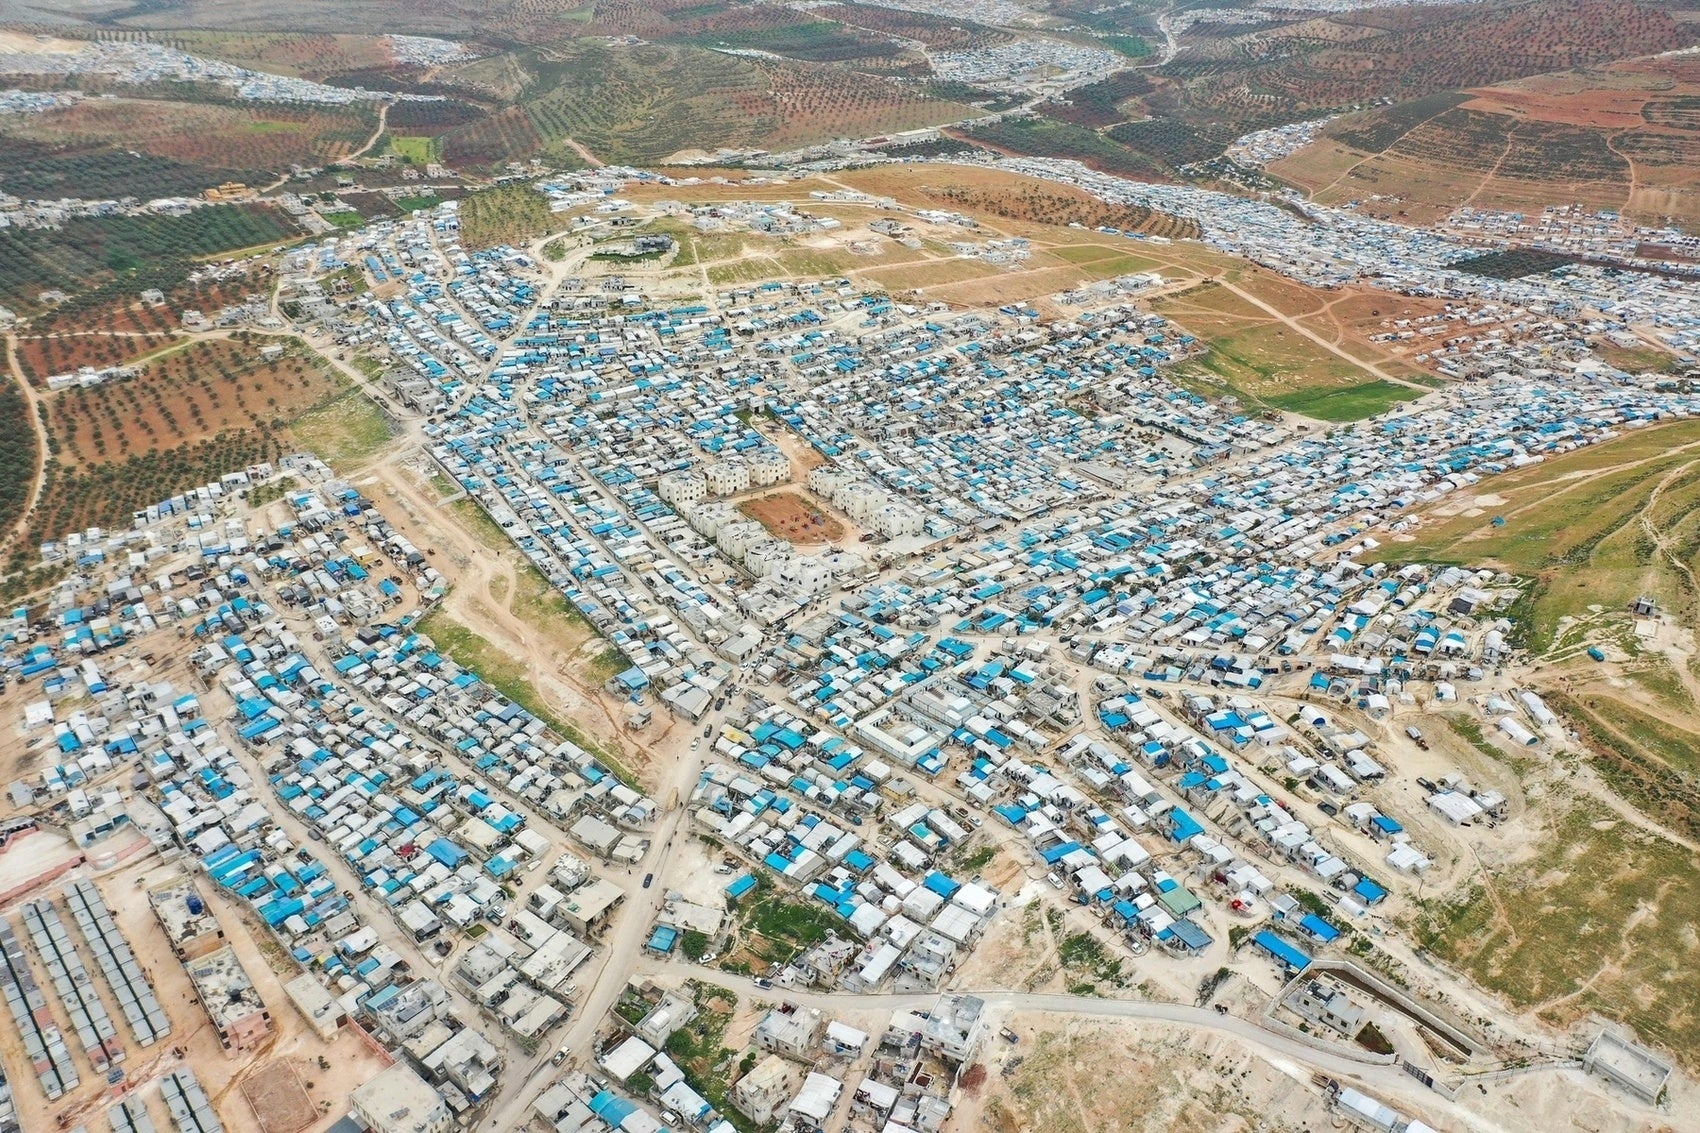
x=1027, y=64
x=141, y=62
x=16, y=101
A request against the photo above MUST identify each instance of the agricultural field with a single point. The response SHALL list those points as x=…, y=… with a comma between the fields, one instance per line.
x=114, y=308
x=185, y=395
x=785, y=31
x=1049, y=203
x=1623, y=132
x=1407, y=53
x=41, y=356
x=17, y=458
x=310, y=56
x=651, y=103
x=108, y=493
x=505, y=214
x=1048, y=137
x=1103, y=103
x=194, y=412
x=44, y=171
x=936, y=33
x=126, y=254
x=248, y=142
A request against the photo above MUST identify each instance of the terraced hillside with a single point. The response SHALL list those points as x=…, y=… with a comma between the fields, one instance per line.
x=1409, y=52
x=1621, y=136
x=647, y=103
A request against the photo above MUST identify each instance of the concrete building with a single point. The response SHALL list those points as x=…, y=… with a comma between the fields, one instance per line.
x=734, y=539
x=767, y=557
x=316, y=1005
x=673, y=1012
x=763, y=1093
x=726, y=477
x=682, y=488
x=955, y=1027
x=790, y=1030
x=897, y=519
x=706, y=519
x=468, y=1061
x=1327, y=1005
x=768, y=466
x=586, y=907
x=228, y=996
x=594, y=834
x=189, y=925
x=397, y=1100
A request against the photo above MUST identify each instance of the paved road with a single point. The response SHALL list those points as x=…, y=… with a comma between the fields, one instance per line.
x=1388, y=1082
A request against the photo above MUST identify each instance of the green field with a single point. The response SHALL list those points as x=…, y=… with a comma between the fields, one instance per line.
x=415, y=149
x=1266, y=368
x=1132, y=46
x=1573, y=525
x=1345, y=403
x=420, y=201
x=344, y=433
x=505, y=214
x=1599, y=919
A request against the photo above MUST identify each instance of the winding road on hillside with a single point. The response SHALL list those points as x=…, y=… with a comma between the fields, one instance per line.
x=33, y=400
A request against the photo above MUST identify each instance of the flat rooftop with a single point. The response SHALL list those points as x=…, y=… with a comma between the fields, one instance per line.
x=224, y=987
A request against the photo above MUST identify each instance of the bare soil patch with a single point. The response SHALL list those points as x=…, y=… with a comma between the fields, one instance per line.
x=788, y=515
x=279, y=1100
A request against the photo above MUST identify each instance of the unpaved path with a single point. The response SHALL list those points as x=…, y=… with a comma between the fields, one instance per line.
x=39, y=476
x=486, y=587
x=1300, y=328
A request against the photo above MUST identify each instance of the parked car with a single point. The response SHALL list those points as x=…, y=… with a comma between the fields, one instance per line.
x=647, y=878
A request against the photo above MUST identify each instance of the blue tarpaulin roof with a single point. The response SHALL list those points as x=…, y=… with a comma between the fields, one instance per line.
x=1282, y=951
x=1319, y=928
x=1369, y=891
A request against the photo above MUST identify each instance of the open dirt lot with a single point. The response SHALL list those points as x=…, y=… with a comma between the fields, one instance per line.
x=1082, y=1076
x=790, y=515
x=279, y=1101
x=323, y=1073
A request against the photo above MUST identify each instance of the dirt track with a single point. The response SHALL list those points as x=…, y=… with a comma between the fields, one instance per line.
x=483, y=598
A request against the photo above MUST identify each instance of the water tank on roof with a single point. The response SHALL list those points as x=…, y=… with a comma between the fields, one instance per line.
x=196, y=906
